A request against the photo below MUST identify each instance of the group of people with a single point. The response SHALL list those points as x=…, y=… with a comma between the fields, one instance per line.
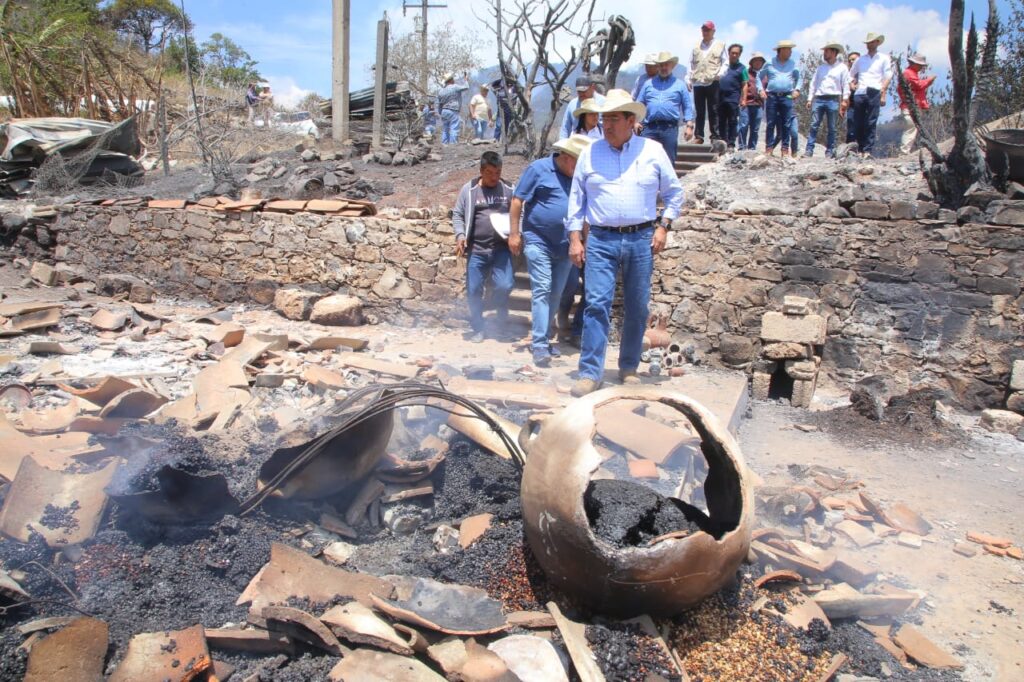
x=593, y=204
x=446, y=110
x=258, y=100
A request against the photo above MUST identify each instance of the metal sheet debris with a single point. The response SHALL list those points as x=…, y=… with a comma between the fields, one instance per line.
x=64, y=508
x=452, y=609
x=661, y=579
x=75, y=652
x=178, y=656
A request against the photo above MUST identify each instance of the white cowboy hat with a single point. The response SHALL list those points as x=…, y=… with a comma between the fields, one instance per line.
x=872, y=37
x=650, y=59
x=619, y=100
x=573, y=145
x=448, y=77
x=838, y=47
x=784, y=43
x=587, y=106
x=663, y=57
x=918, y=58
x=757, y=55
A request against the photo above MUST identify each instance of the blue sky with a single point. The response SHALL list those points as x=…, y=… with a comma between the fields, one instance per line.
x=292, y=41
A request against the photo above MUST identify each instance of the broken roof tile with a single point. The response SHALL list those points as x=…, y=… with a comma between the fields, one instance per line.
x=179, y=656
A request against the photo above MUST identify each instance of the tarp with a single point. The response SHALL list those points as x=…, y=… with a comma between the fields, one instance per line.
x=26, y=139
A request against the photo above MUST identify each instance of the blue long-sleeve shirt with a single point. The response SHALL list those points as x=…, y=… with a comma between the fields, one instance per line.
x=667, y=100
x=641, y=79
x=569, y=121
x=779, y=77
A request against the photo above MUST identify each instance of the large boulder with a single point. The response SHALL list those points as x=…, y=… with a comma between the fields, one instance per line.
x=295, y=303
x=338, y=310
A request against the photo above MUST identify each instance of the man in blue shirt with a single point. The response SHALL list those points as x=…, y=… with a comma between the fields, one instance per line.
x=585, y=89
x=449, y=106
x=615, y=192
x=650, y=71
x=732, y=89
x=781, y=79
x=542, y=200
x=668, y=101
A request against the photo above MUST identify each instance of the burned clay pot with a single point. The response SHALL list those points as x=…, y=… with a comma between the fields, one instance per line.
x=662, y=579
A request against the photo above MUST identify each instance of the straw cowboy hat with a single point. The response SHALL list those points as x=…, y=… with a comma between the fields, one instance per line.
x=784, y=43
x=918, y=58
x=838, y=47
x=573, y=145
x=663, y=57
x=757, y=55
x=650, y=59
x=872, y=37
x=448, y=77
x=619, y=100
x=587, y=106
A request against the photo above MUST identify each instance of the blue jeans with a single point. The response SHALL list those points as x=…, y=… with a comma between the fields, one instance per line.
x=606, y=253
x=450, y=125
x=572, y=285
x=548, y=267
x=781, y=117
x=829, y=110
x=498, y=264
x=851, y=124
x=479, y=128
x=728, y=122
x=504, y=119
x=865, y=108
x=667, y=135
x=749, y=123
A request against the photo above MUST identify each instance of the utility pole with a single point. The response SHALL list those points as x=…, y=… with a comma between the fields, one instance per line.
x=424, y=66
x=340, y=21
x=380, y=83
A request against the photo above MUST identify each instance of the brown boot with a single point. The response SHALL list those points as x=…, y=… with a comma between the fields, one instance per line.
x=628, y=377
x=584, y=386
x=785, y=153
x=770, y=151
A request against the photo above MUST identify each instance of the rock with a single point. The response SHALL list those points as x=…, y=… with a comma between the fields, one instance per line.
x=927, y=210
x=1007, y=213
x=345, y=168
x=331, y=180
x=1017, y=376
x=1015, y=403
x=141, y=293
x=414, y=214
x=830, y=208
x=310, y=155
x=786, y=351
x=735, y=349
x=382, y=157
x=742, y=207
x=872, y=210
x=446, y=539
x=338, y=311
x=903, y=210
x=792, y=329
x=802, y=370
x=403, y=159
x=43, y=273
x=1002, y=421
x=392, y=285
x=968, y=214
x=871, y=395
x=848, y=196
x=114, y=284
x=339, y=552
x=402, y=521
x=295, y=303
x=355, y=233
x=1015, y=190
x=798, y=305
x=13, y=222
x=1002, y=286
x=261, y=290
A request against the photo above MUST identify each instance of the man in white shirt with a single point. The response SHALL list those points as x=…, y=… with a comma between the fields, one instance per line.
x=615, y=192
x=708, y=62
x=827, y=98
x=871, y=75
x=480, y=112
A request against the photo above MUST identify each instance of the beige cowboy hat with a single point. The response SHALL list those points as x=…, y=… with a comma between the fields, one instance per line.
x=918, y=58
x=448, y=77
x=619, y=100
x=587, y=106
x=663, y=57
x=872, y=37
x=784, y=43
x=573, y=145
x=757, y=55
x=838, y=47
x=650, y=59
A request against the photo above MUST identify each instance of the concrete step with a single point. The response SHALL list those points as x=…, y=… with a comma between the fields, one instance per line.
x=709, y=157
x=519, y=299
x=687, y=165
x=522, y=280
x=688, y=147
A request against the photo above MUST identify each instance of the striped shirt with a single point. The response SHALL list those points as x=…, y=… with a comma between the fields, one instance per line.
x=613, y=188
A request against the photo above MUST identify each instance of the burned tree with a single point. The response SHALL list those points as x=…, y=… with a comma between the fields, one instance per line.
x=949, y=175
x=613, y=46
x=536, y=35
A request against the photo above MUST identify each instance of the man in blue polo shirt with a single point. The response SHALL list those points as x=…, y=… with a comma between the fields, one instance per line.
x=542, y=200
x=668, y=101
x=781, y=79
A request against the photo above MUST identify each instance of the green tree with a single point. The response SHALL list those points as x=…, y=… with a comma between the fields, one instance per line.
x=147, y=23
x=226, y=63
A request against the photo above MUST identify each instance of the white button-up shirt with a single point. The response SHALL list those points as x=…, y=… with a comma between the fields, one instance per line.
x=613, y=188
x=871, y=72
x=831, y=79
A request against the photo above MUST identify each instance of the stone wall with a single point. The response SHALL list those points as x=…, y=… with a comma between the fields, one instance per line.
x=922, y=300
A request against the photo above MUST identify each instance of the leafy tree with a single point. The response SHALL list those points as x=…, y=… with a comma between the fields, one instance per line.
x=226, y=63
x=148, y=23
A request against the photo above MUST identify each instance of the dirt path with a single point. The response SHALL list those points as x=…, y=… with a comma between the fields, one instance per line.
x=978, y=487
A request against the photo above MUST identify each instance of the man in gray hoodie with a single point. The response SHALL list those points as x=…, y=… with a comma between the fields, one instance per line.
x=480, y=219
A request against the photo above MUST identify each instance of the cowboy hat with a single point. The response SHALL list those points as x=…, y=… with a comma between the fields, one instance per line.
x=872, y=37
x=448, y=77
x=651, y=58
x=918, y=58
x=666, y=57
x=756, y=55
x=784, y=43
x=587, y=106
x=838, y=47
x=573, y=145
x=619, y=100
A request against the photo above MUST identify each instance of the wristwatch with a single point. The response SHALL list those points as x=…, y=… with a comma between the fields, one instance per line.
x=665, y=222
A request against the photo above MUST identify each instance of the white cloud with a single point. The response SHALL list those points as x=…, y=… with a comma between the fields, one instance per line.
x=287, y=92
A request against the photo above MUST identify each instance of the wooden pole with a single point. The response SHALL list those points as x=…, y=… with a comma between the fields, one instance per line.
x=380, y=87
x=339, y=71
